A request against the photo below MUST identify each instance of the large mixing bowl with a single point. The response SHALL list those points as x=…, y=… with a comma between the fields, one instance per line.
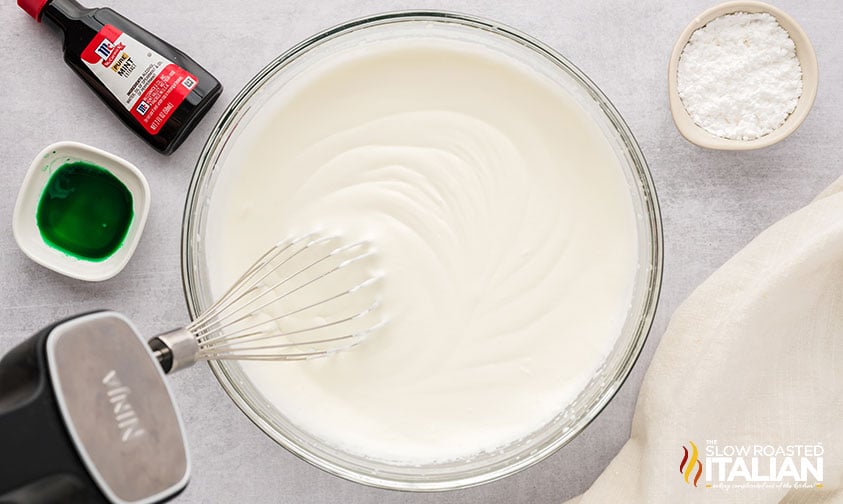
x=605, y=383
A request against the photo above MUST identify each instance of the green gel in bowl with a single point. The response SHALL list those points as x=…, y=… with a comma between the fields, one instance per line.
x=84, y=211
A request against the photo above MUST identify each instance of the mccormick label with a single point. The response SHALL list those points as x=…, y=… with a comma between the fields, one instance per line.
x=150, y=86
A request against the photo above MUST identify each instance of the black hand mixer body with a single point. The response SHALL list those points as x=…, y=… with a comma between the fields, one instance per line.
x=86, y=416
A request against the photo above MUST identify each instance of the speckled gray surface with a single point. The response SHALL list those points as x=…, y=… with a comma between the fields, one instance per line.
x=712, y=202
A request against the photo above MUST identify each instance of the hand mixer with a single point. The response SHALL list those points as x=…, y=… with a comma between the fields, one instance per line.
x=86, y=414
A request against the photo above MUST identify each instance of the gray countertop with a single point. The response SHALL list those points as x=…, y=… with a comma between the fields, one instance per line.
x=713, y=203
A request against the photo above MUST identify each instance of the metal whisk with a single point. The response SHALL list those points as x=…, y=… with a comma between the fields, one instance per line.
x=304, y=298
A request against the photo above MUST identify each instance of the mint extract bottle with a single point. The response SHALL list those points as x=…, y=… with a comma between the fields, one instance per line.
x=156, y=90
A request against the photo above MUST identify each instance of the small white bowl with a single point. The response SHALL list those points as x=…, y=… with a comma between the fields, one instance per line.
x=25, y=226
x=807, y=60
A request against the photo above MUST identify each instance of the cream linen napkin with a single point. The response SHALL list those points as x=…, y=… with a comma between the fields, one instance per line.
x=753, y=357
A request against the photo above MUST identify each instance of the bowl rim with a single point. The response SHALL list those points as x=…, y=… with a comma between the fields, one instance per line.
x=23, y=222
x=644, y=180
x=804, y=52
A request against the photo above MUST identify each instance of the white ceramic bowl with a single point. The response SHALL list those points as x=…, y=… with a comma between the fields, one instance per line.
x=25, y=226
x=807, y=60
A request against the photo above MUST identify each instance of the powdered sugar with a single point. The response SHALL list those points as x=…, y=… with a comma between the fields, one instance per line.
x=739, y=77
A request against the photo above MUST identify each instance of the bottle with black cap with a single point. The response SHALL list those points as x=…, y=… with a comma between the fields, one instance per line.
x=159, y=92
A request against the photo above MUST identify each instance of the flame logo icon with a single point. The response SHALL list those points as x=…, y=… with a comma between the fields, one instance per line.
x=686, y=467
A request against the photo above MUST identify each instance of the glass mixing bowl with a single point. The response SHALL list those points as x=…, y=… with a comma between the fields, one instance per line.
x=605, y=383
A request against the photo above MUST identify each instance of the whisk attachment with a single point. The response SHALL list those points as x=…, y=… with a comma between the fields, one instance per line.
x=304, y=298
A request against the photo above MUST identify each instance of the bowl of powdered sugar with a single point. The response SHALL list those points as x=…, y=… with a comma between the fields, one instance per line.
x=743, y=75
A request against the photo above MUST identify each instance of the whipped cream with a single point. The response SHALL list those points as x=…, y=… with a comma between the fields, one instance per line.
x=501, y=218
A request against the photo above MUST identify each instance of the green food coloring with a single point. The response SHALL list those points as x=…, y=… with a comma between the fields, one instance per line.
x=84, y=211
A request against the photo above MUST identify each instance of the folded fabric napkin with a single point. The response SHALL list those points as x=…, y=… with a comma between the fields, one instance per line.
x=750, y=367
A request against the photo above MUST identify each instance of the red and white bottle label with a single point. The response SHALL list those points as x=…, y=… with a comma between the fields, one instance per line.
x=149, y=85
